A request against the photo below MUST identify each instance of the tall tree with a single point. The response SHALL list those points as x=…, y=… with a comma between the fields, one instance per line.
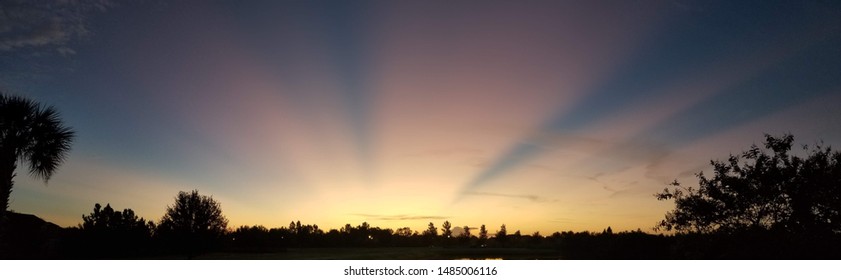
x=446, y=229
x=430, y=235
x=483, y=233
x=32, y=134
x=431, y=230
x=501, y=234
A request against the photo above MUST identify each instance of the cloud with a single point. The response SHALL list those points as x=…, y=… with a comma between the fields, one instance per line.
x=65, y=51
x=401, y=217
x=446, y=152
x=634, y=191
x=565, y=221
x=37, y=24
x=531, y=197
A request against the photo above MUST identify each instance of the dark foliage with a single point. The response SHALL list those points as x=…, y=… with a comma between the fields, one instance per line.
x=44, y=240
x=483, y=234
x=193, y=224
x=32, y=134
x=502, y=234
x=108, y=234
x=761, y=203
x=257, y=239
x=624, y=245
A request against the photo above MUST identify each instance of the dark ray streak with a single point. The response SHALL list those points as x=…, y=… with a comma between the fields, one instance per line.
x=812, y=73
x=347, y=25
x=692, y=41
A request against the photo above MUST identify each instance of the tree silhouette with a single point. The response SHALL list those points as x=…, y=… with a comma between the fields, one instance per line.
x=403, y=232
x=100, y=218
x=446, y=229
x=431, y=230
x=106, y=219
x=194, y=223
x=483, y=233
x=109, y=233
x=762, y=190
x=465, y=236
x=502, y=234
x=254, y=238
x=430, y=235
x=33, y=134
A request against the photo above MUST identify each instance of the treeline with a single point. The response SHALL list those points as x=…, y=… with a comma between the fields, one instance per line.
x=761, y=204
x=110, y=234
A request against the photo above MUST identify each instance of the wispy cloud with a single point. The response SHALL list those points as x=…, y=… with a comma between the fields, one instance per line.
x=446, y=152
x=47, y=24
x=531, y=197
x=565, y=221
x=400, y=217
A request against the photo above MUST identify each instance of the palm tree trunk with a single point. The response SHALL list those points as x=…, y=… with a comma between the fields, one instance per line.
x=7, y=174
x=5, y=193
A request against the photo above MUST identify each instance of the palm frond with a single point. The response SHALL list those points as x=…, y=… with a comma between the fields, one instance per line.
x=49, y=145
x=34, y=134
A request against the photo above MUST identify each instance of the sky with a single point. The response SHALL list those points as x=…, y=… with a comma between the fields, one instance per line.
x=541, y=115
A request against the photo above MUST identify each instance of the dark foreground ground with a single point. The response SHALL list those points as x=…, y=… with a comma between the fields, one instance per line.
x=29, y=237
x=393, y=253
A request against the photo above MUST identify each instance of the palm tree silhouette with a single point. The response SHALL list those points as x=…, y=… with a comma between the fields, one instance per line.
x=33, y=134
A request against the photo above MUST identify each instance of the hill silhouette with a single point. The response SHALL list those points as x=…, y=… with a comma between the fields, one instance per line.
x=30, y=237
